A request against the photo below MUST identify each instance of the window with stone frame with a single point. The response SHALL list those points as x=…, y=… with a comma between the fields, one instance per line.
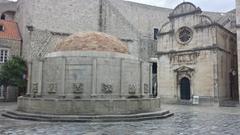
x=4, y=53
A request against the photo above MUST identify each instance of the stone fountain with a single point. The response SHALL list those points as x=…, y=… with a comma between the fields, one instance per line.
x=88, y=77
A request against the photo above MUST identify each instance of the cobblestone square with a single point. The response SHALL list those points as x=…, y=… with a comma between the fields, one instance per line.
x=188, y=120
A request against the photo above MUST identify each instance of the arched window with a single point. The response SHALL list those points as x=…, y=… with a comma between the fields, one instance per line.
x=3, y=17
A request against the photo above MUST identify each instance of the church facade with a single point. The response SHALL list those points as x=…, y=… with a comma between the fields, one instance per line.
x=192, y=52
x=197, y=57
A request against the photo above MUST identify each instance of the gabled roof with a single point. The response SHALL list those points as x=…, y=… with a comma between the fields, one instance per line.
x=10, y=30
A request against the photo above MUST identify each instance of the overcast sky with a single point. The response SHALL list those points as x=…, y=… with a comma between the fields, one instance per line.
x=206, y=5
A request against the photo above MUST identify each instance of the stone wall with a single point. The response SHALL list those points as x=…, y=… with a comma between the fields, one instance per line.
x=88, y=107
x=14, y=46
x=238, y=35
x=144, y=18
x=7, y=6
x=43, y=42
x=227, y=64
x=55, y=75
x=23, y=19
x=89, y=19
x=114, y=23
x=36, y=22
x=131, y=22
x=63, y=16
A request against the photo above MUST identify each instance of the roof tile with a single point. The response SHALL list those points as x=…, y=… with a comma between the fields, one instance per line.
x=10, y=30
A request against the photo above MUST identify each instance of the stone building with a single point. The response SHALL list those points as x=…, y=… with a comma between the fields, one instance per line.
x=10, y=45
x=10, y=41
x=197, y=57
x=44, y=23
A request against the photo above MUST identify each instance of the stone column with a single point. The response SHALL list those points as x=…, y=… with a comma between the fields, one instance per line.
x=150, y=80
x=40, y=75
x=63, y=77
x=1, y=91
x=158, y=77
x=121, y=77
x=141, y=79
x=29, y=78
x=215, y=75
x=94, y=77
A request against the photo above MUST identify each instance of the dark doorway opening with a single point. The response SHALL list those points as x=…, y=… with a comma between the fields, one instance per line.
x=185, y=90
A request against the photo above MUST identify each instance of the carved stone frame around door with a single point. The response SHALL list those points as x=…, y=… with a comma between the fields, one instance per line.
x=184, y=72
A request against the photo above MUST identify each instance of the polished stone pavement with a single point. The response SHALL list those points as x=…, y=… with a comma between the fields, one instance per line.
x=188, y=120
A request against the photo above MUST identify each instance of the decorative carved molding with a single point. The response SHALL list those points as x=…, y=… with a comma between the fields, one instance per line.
x=78, y=88
x=183, y=9
x=108, y=89
x=132, y=89
x=35, y=87
x=212, y=47
x=52, y=88
x=166, y=33
x=146, y=88
x=187, y=58
x=184, y=72
x=184, y=69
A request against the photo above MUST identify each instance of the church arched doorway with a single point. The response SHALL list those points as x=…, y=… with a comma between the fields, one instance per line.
x=185, y=90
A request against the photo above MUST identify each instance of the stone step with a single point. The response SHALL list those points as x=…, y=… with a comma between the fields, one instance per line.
x=229, y=103
x=78, y=118
x=185, y=102
x=90, y=116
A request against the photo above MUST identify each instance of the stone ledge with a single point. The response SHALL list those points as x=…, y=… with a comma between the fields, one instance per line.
x=88, y=107
x=87, y=118
x=91, y=54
